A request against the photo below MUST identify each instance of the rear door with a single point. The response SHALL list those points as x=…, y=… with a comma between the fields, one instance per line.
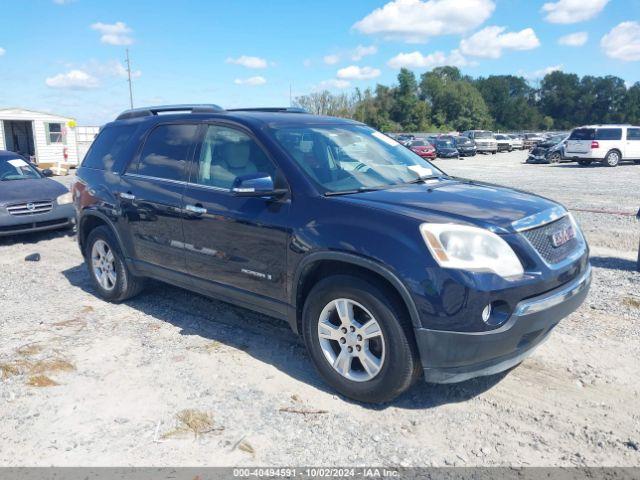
x=230, y=241
x=633, y=143
x=580, y=140
x=151, y=196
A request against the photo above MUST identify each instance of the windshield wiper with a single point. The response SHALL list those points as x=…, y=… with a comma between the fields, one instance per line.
x=357, y=190
x=423, y=179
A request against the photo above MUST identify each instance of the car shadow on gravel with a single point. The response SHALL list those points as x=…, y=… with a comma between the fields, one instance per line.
x=35, y=237
x=614, y=263
x=266, y=339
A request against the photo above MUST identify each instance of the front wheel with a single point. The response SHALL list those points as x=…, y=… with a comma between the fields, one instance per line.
x=109, y=274
x=612, y=159
x=554, y=158
x=359, y=339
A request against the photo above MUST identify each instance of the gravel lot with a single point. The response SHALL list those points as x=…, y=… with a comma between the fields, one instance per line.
x=172, y=378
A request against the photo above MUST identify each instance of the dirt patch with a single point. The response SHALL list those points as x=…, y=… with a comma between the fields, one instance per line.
x=41, y=381
x=193, y=421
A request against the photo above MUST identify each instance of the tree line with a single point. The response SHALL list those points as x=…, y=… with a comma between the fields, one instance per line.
x=443, y=100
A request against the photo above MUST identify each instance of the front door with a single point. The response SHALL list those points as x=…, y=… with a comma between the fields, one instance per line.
x=230, y=241
x=151, y=196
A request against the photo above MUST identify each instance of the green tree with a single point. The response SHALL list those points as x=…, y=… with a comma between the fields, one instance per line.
x=511, y=102
x=559, y=98
x=408, y=110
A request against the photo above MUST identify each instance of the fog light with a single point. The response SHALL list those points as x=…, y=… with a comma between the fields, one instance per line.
x=486, y=313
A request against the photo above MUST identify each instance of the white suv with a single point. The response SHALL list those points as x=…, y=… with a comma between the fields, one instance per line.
x=609, y=144
x=485, y=140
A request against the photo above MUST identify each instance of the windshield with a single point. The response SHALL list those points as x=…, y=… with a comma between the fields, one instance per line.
x=483, y=135
x=463, y=141
x=444, y=142
x=16, y=169
x=419, y=143
x=345, y=158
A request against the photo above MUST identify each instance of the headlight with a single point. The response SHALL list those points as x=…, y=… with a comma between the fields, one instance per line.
x=470, y=248
x=65, y=198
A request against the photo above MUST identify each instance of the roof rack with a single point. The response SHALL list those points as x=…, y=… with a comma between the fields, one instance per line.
x=156, y=110
x=270, y=109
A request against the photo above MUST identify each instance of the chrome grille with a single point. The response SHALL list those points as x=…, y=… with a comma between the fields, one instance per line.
x=541, y=240
x=30, y=208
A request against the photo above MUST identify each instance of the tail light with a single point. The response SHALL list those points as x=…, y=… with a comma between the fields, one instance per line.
x=594, y=144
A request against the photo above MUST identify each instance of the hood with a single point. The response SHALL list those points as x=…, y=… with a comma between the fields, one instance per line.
x=33, y=189
x=457, y=201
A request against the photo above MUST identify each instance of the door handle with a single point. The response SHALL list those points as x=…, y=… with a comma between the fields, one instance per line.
x=127, y=196
x=196, y=209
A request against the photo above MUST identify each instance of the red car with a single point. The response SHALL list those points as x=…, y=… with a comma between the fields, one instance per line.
x=423, y=148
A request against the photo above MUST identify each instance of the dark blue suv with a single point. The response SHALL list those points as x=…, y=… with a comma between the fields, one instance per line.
x=386, y=266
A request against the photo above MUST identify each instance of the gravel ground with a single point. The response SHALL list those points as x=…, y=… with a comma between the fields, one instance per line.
x=174, y=379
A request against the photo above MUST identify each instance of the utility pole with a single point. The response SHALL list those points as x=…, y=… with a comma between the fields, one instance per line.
x=129, y=77
x=290, y=97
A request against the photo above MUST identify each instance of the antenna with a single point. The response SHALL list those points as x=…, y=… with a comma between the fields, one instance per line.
x=129, y=77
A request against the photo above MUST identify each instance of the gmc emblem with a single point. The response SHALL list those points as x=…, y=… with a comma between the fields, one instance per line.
x=561, y=237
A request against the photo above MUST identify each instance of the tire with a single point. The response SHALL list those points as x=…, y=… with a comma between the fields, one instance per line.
x=394, y=349
x=493, y=152
x=612, y=159
x=554, y=158
x=584, y=163
x=120, y=283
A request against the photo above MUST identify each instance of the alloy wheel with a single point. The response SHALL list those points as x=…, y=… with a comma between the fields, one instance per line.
x=351, y=340
x=104, y=265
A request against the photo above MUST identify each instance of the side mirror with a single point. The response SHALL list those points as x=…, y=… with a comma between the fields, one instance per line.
x=255, y=185
x=47, y=172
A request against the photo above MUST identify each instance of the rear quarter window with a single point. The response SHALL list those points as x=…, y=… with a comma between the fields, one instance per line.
x=108, y=147
x=609, y=134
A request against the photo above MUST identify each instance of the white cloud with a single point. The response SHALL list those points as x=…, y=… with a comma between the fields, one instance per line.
x=361, y=51
x=415, y=21
x=435, y=59
x=251, y=81
x=353, y=72
x=112, y=68
x=538, y=74
x=2, y=51
x=574, y=39
x=623, y=42
x=572, y=11
x=331, y=59
x=248, y=61
x=333, y=83
x=73, y=80
x=491, y=41
x=114, y=33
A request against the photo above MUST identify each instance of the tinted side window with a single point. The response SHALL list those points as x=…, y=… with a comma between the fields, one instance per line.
x=228, y=153
x=633, y=134
x=108, y=147
x=582, y=134
x=165, y=152
x=609, y=134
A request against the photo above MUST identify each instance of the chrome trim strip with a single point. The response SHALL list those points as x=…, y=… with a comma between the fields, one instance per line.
x=529, y=307
x=539, y=219
x=177, y=182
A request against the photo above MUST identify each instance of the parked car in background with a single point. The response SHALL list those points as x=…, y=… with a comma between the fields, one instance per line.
x=503, y=142
x=385, y=280
x=530, y=140
x=609, y=144
x=465, y=146
x=423, y=149
x=446, y=147
x=484, y=140
x=516, y=142
x=405, y=139
x=29, y=201
x=550, y=150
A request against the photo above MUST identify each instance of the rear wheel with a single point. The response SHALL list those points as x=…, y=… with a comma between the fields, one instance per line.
x=359, y=340
x=612, y=159
x=109, y=274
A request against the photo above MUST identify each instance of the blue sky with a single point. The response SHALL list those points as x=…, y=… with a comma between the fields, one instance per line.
x=66, y=56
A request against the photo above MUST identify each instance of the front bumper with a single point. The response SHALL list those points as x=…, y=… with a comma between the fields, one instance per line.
x=61, y=216
x=449, y=357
